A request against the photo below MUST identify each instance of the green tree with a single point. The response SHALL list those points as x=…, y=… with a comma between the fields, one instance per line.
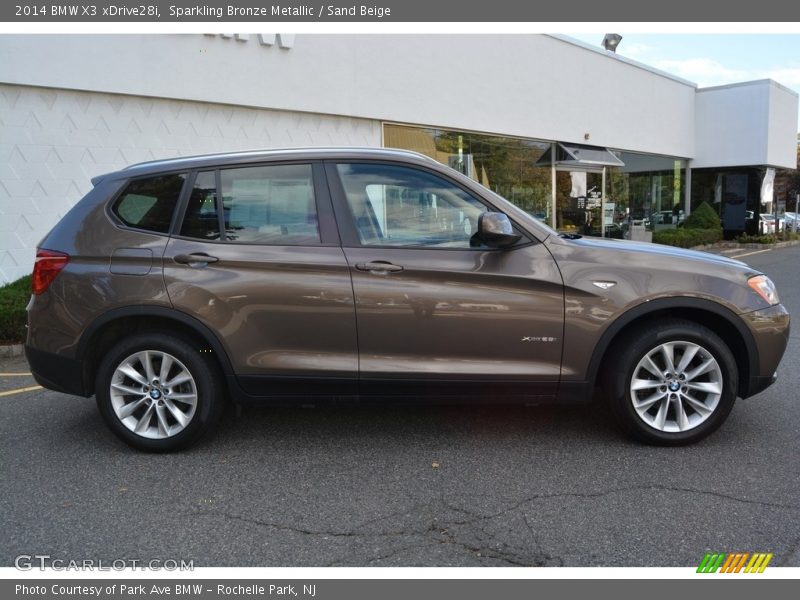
x=703, y=217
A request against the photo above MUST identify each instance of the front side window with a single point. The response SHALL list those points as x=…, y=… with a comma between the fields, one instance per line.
x=401, y=206
x=149, y=203
x=270, y=205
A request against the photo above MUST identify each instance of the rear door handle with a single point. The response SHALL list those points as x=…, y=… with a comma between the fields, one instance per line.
x=379, y=266
x=195, y=260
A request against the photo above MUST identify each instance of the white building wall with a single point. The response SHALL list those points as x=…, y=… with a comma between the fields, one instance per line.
x=536, y=86
x=752, y=123
x=781, y=147
x=73, y=106
x=52, y=142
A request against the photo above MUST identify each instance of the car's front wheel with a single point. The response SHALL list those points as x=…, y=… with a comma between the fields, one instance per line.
x=672, y=383
x=157, y=392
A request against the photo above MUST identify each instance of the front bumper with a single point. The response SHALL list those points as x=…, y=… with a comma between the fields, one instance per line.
x=770, y=328
x=758, y=384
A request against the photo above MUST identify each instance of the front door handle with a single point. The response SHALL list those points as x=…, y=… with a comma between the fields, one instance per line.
x=379, y=266
x=195, y=260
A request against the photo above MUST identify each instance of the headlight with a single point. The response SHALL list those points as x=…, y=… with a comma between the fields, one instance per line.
x=763, y=286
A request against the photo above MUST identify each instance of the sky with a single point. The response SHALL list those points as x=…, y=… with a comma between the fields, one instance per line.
x=714, y=59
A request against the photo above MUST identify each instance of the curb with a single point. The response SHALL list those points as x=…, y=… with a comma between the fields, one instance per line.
x=737, y=245
x=12, y=351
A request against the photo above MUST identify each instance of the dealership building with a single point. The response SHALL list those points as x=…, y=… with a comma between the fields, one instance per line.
x=581, y=137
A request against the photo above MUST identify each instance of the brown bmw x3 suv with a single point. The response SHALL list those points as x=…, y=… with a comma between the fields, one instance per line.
x=294, y=275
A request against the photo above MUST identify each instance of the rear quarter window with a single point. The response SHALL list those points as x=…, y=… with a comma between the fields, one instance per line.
x=149, y=203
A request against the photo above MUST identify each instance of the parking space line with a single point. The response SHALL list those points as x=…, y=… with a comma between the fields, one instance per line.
x=20, y=390
x=749, y=253
x=15, y=374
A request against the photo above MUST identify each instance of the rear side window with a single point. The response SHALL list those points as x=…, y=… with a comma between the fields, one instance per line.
x=202, y=213
x=149, y=203
x=272, y=205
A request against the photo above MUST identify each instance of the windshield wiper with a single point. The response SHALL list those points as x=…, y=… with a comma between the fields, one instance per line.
x=570, y=236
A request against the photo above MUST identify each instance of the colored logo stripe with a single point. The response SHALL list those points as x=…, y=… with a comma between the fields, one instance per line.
x=758, y=563
x=711, y=562
x=735, y=562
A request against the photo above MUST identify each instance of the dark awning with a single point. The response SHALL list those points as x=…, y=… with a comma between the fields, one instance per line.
x=577, y=155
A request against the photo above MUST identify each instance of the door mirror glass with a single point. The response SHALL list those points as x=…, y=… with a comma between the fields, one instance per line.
x=495, y=230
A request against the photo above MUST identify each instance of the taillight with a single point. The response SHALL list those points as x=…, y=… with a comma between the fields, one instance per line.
x=48, y=264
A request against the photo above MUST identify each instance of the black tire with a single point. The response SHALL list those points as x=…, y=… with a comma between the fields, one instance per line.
x=206, y=385
x=633, y=348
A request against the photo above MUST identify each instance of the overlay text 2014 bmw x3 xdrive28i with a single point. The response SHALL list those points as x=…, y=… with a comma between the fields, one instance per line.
x=273, y=276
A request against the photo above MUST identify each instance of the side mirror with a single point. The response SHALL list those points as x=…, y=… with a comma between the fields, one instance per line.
x=495, y=230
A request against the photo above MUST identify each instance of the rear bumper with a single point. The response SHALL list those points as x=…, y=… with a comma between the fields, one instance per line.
x=56, y=372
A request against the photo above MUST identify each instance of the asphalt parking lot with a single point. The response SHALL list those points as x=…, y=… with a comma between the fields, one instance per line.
x=399, y=486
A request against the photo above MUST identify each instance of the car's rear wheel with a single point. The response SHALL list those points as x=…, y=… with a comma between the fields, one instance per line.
x=671, y=383
x=158, y=393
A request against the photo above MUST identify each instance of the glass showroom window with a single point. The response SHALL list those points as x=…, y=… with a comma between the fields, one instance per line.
x=649, y=190
x=609, y=191
x=505, y=165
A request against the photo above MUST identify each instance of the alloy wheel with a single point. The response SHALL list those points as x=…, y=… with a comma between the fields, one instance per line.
x=153, y=394
x=676, y=386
